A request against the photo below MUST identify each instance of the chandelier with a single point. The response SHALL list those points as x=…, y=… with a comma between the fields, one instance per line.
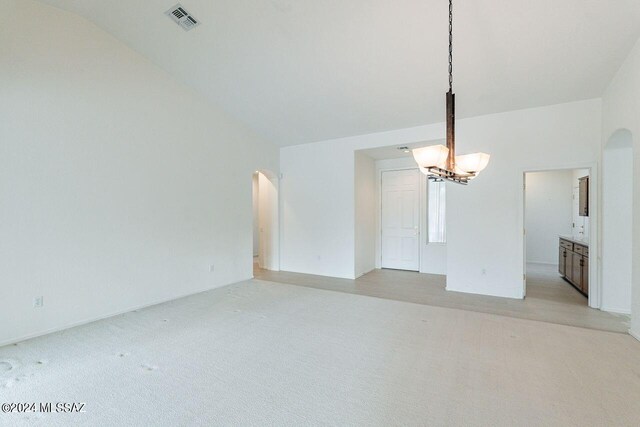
x=440, y=162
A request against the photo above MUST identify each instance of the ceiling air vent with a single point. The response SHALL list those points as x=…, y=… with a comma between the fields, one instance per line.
x=181, y=17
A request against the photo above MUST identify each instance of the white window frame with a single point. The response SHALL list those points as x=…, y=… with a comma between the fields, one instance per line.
x=436, y=211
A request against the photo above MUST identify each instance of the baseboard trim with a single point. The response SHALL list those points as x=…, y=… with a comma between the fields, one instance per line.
x=615, y=310
x=117, y=313
x=334, y=276
x=634, y=334
x=466, y=291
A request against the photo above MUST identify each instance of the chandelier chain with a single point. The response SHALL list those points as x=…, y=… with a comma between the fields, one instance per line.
x=440, y=162
x=450, y=45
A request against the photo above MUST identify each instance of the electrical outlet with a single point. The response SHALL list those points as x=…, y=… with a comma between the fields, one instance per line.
x=38, y=302
x=212, y=268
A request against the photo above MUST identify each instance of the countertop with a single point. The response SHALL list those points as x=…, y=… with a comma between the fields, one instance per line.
x=574, y=240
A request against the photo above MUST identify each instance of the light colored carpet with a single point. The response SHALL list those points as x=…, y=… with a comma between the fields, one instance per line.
x=261, y=353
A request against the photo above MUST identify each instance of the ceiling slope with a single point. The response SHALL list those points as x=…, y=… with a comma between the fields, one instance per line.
x=299, y=71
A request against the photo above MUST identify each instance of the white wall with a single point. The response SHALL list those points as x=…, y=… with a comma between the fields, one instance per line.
x=617, y=206
x=119, y=187
x=365, y=211
x=317, y=210
x=433, y=256
x=485, y=239
x=621, y=110
x=484, y=221
x=548, y=213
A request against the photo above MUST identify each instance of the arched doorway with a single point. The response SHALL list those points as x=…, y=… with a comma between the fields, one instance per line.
x=617, y=217
x=266, y=232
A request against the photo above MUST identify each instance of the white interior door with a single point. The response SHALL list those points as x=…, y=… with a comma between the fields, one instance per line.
x=400, y=240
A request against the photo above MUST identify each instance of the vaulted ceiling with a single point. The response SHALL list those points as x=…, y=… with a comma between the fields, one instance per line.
x=299, y=71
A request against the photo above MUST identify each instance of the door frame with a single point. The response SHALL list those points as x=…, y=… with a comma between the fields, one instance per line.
x=422, y=188
x=595, y=279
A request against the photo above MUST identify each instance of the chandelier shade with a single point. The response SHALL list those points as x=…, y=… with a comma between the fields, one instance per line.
x=472, y=163
x=434, y=156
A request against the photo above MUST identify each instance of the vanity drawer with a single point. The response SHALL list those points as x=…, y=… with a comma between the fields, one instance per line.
x=566, y=244
x=582, y=250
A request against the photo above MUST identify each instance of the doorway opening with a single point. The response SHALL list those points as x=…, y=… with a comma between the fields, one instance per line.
x=266, y=242
x=617, y=217
x=399, y=214
x=557, y=235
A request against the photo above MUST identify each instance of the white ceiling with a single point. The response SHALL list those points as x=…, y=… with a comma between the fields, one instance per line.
x=299, y=71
